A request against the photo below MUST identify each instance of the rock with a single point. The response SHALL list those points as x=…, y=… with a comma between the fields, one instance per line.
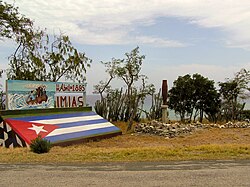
x=222, y=126
x=173, y=130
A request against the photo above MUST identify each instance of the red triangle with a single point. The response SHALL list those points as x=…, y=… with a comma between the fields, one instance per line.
x=30, y=130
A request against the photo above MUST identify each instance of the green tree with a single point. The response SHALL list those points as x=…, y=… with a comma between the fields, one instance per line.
x=26, y=63
x=63, y=59
x=104, y=86
x=101, y=106
x=194, y=96
x=37, y=57
x=48, y=61
x=205, y=97
x=13, y=24
x=128, y=70
x=180, y=96
x=229, y=91
x=212, y=106
x=243, y=79
x=127, y=105
x=233, y=93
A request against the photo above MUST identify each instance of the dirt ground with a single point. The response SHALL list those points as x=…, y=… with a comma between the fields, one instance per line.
x=211, y=136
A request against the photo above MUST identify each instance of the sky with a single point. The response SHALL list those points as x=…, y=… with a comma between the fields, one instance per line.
x=178, y=37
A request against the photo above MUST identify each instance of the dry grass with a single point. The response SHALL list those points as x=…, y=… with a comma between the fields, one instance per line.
x=203, y=144
x=213, y=136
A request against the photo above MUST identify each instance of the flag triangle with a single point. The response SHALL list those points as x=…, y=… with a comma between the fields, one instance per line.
x=28, y=131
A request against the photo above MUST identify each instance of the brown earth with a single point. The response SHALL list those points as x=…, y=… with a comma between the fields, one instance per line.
x=213, y=136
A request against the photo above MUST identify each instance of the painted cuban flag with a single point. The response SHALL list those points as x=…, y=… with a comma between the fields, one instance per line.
x=60, y=128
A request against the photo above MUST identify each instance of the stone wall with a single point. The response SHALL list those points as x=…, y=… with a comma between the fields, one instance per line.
x=177, y=129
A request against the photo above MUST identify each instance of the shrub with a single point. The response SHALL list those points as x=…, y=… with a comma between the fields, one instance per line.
x=40, y=145
x=245, y=114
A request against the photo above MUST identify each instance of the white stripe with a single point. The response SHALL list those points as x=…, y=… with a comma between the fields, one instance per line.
x=79, y=128
x=68, y=120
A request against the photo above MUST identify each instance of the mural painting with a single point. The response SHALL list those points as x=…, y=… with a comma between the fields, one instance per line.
x=37, y=94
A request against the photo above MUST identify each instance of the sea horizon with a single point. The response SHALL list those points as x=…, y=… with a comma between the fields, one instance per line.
x=91, y=99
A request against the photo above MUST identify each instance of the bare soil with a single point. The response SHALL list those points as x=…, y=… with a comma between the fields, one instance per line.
x=213, y=136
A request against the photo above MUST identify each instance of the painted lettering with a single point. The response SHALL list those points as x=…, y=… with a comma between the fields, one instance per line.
x=69, y=101
x=80, y=101
x=63, y=101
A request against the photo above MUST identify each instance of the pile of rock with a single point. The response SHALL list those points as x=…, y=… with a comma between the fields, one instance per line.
x=177, y=129
x=230, y=124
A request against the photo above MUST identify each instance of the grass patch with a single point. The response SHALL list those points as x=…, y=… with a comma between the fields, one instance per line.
x=83, y=154
x=207, y=144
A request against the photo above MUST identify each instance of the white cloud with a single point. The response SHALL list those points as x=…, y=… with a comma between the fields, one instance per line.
x=111, y=21
x=158, y=42
x=107, y=22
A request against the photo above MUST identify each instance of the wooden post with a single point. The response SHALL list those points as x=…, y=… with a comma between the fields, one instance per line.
x=164, y=105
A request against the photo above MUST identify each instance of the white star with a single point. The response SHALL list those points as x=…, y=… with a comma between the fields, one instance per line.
x=38, y=129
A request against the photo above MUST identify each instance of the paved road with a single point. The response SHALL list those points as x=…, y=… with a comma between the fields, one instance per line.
x=186, y=173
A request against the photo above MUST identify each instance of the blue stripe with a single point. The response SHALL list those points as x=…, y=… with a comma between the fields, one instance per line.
x=82, y=134
x=80, y=123
x=55, y=116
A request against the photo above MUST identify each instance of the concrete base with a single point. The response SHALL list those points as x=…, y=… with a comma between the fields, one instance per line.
x=164, y=109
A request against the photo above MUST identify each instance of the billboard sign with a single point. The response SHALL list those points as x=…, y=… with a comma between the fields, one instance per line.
x=38, y=94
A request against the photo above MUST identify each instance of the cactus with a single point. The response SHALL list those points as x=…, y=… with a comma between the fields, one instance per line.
x=114, y=106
